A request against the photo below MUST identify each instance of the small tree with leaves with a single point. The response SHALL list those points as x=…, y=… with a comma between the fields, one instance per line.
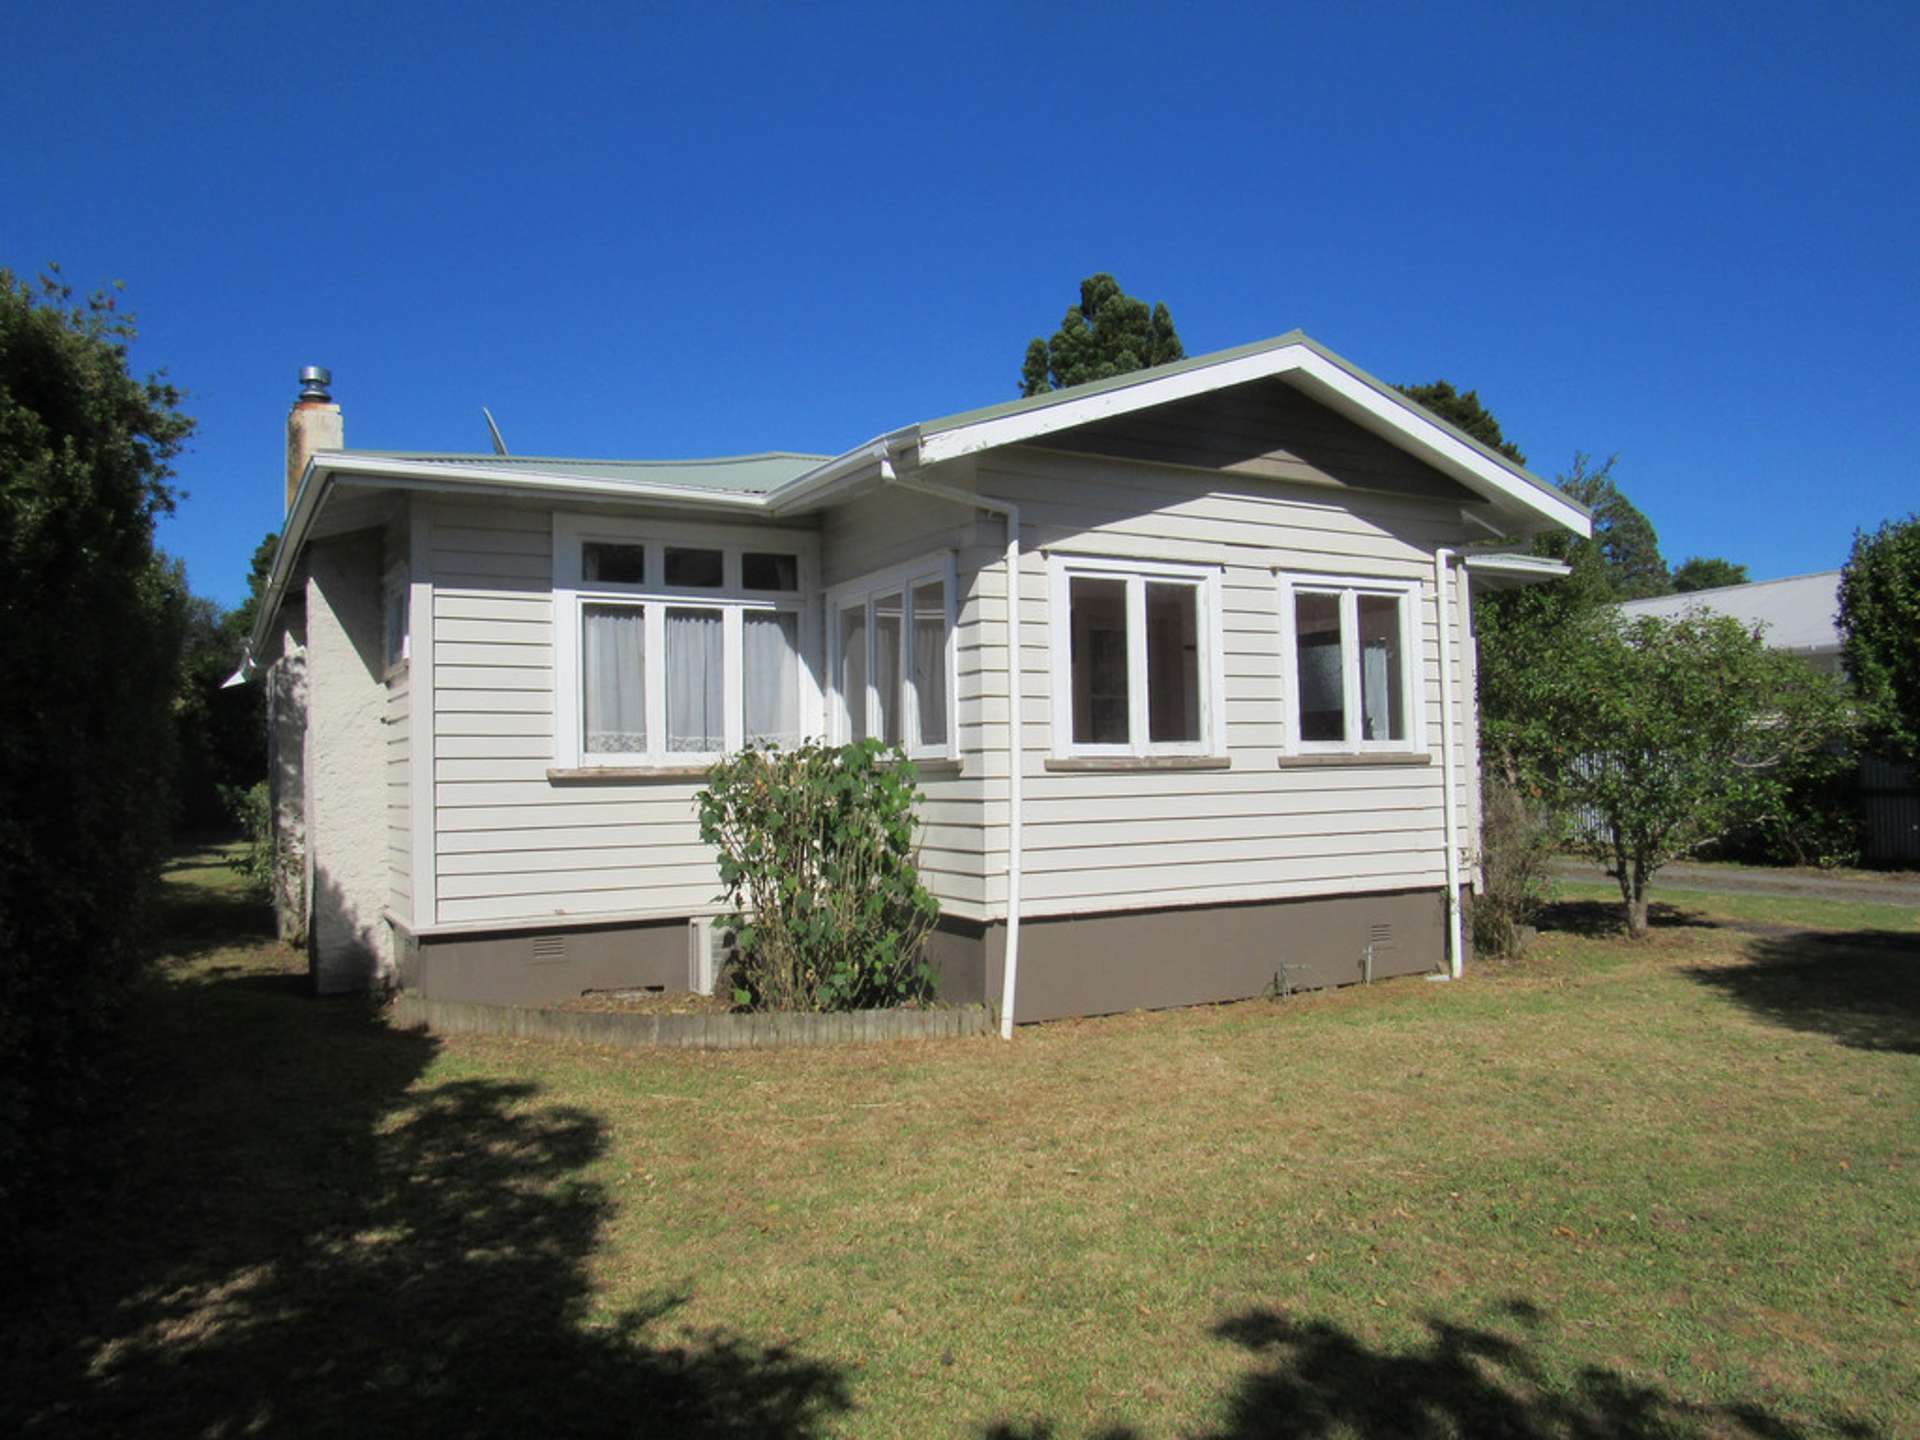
x=1880, y=630
x=1668, y=733
x=1108, y=333
x=1706, y=572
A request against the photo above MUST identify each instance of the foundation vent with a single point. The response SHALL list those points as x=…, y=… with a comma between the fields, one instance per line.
x=1380, y=937
x=548, y=950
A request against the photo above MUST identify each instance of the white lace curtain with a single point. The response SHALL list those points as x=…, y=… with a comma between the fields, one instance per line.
x=696, y=682
x=614, y=675
x=770, y=672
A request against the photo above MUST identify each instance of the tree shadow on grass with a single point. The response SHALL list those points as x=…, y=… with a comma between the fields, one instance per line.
x=1319, y=1381
x=1604, y=919
x=314, y=1239
x=1862, y=987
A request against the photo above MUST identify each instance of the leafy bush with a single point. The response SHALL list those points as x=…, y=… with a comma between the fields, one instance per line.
x=252, y=811
x=90, y=625
x=1518, y=840
x=817, y=857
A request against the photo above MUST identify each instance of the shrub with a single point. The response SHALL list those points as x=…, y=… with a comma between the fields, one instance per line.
x=1519, y=837
x=816, y=852
x=90, y=624
x=252, y=811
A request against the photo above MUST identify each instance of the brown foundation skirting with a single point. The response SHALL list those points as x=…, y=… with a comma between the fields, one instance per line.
x=1071, y=965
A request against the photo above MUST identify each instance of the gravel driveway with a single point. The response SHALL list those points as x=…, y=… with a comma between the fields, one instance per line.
x=1729, y=880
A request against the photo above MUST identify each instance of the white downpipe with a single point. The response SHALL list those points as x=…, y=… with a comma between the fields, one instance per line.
x=1449, y=803
x=1009, y=512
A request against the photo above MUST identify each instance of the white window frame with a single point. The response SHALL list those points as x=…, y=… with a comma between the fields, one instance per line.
x=572, y=592
x=939, y=568
x=1138, y=574
x=395, y=595
x=1348, y=589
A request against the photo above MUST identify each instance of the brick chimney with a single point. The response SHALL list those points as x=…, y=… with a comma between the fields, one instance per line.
x=313, y=424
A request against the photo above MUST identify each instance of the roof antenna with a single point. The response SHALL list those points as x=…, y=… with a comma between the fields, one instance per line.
x=499, y=445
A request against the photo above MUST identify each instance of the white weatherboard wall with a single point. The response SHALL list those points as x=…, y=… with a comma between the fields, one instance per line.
x=886, y=527
x=509, y=844
x=1141, y=839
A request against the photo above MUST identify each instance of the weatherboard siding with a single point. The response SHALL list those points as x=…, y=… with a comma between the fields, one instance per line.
x=887, y=527
x=1103, y=840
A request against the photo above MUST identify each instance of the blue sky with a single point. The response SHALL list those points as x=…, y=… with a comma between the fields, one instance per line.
x=1683, y=234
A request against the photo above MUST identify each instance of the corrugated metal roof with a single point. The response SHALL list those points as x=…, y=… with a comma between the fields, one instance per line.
x=1794, y=613
x=741, y=474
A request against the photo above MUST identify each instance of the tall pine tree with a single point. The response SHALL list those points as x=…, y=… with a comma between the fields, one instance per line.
x=1108, y=333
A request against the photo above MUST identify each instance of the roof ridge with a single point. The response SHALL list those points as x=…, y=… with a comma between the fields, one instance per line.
x=453, y=456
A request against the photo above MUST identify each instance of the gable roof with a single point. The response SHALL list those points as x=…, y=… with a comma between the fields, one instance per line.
x=1796, y=612
x=782, y=482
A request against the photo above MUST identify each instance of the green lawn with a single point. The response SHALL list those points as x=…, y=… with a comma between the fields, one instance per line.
x=1615, y=1190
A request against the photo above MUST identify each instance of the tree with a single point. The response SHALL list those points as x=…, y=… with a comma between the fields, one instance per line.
x=1880, y=631
x=90, y=623
x=238, y=623
x=1464, y=412
x=1706, y=572
x=1629, y=548
x=1108, y=333
x=1669, y=733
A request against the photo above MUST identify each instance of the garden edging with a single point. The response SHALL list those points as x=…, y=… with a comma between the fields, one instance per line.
x=690, y=1032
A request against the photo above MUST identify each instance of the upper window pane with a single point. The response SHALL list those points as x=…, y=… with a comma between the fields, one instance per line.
x=1383, y=705
x=1098, y=611
x=770, y=677
x=1173, y=663
x=930, y=662
x=853, y=669
x=613, y=679
x=763, y=571
x=613, y=564
x=704, y=568
x=696, y=682
x=886, y=665
x=1322, y=688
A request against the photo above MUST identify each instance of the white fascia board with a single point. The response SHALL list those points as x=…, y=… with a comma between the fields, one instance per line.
x=1394, y=420
x=820, y=484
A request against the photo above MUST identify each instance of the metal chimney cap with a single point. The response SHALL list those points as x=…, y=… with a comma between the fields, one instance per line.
x=315, y=381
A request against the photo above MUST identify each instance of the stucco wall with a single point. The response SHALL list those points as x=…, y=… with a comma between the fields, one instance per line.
x=349, y=944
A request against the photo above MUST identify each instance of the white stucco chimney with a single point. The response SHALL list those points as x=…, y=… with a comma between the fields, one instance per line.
x=313, y=424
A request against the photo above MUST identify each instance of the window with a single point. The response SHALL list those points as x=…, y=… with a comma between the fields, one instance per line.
x=1347, y=650
x=677, y=643
x=394, y=596
x=891, y=636
x=1136, y=658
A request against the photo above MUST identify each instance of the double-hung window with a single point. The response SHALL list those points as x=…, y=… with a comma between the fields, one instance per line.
x=675, y=644
x=1137, y=667
x=1349, y=663
x=890, y=656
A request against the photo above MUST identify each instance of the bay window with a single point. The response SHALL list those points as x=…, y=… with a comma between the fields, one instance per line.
x=1136, y=658
x=891, y=660
x=675, y=643
x=1349, y=665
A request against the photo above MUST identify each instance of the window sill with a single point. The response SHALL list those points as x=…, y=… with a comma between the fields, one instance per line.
x=937, y=769
x=627, y=774
x=1096, y=763
x=1376, y=757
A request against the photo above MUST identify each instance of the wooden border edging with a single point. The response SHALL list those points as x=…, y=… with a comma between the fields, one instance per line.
x=689, y=1032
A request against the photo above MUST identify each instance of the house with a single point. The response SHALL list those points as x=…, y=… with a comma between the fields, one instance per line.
x=1227, y=602
x=1796, y=614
